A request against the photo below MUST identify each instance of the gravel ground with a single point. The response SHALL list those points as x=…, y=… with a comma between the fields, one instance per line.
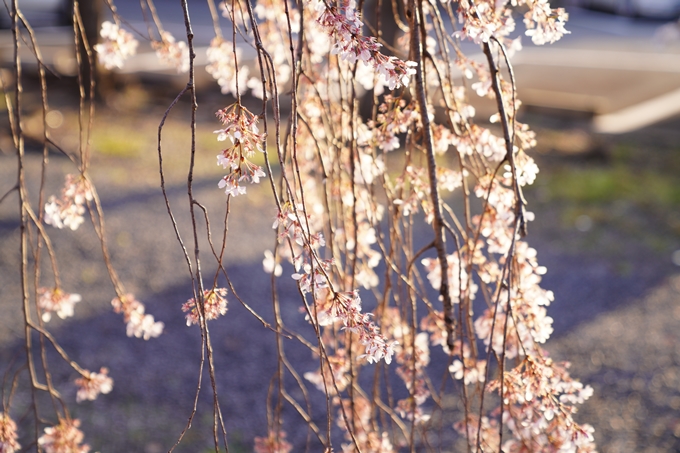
x=618, y=324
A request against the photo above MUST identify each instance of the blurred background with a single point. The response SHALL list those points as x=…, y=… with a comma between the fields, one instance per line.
x=605, y=103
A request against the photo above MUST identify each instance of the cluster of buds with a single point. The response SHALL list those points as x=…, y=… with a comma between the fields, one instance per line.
x=214, y=306
x=118, y=46
x=240, y=127
x=139, y=324
x=69, y=209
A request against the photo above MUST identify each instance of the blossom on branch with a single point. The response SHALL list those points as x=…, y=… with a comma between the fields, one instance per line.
x=174, y=54
x=222, y=66
x=8, y=434
x=69, y=209
x=544, y=24
x=56, y=301
x=90, y=386
x=346, y=307
x=63, y=438
x=214, y=306
x=139, y=324
x=275, y=442
x=241, y=129
x=344, y=25
x=118, y=46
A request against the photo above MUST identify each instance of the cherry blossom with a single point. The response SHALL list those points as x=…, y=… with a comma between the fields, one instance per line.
x=118, y=46
x=8, y=434
x=338, y=378
x=460, y=285
x=472, y=373
x=174, y=54
x=69, y=209
x=544, y=24
x=214, y=306
x=63, y=438
x=241, y=129
x=270, y=265
x=344, y=25
x=365, y=435
x=346, y=307
x=90, y=386
x=56, y=301
x=275, y=442
x=221, y=66
x=412, y=356
x=139, y=324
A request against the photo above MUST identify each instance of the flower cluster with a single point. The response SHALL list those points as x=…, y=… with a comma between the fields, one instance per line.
x=346, y=307
x=174, y=54
x=214, y=306
x=414, y=191
x=118, y=46
x=364, y=432
x=413, y=356
x=90, y=386
x=544, y=24
x=240, y=127
x=482, y=431
x=275, y=442
x=139, y=324
x=69, y=209
x=461, y=286
x=338, y=378
x=484, y=19
x=309, y=276
x=394, y=117
x=8, y=434
x=222, y=66
x=56, y=301
x=291, y=222
x=63, y=438
x=270, y=265
x=344, y=25
x=540, y=397
x=471, y=372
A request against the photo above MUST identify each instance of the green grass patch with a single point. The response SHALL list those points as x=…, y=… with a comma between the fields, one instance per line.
x=608, y=184
x=117, y=141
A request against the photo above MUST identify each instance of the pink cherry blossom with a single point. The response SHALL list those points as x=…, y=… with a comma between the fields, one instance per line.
x=89, y=387
x=275, y=442
x=139, y=324
x=8, y=434
x=118, y=46
x=56, y=301
x=69, y=209
x=63, y=438
x=214, y=306
x=174, y=54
